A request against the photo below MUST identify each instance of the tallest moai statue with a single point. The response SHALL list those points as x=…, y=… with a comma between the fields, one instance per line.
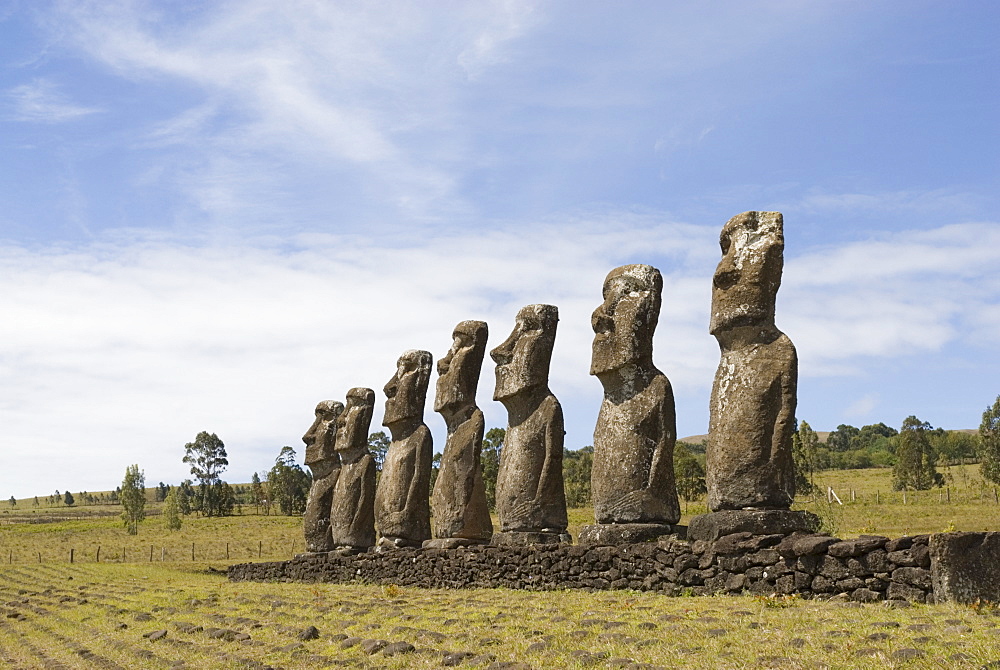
x=749, y=470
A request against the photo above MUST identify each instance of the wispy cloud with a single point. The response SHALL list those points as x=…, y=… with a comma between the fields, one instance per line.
x=317, y=87
x=41, y=101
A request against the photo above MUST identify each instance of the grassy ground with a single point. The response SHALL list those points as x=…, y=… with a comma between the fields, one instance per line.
x=82, y=616
x=48, y=534
x=241, y=538
x=89, y=614
x=965, y=503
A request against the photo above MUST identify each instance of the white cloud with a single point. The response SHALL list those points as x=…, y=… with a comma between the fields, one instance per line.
x=121, y=352
x=41, y=101
x=862, y=407
x=938, y=201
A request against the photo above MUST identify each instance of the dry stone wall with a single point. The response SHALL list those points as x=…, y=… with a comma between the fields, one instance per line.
x=865, y=569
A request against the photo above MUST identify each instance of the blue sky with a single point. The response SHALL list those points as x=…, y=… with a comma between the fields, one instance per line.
x=214, y=215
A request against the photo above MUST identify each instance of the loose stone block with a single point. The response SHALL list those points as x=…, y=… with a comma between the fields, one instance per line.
x=627, y=533
x=402, y=498
x=752, y=413
x=530, y=500
x=632, y=480
x=964, y=567
x=712, y=526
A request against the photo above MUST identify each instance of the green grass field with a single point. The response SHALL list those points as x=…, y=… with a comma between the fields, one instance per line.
x=48, y=534
x=95, y=614
x=89, y=615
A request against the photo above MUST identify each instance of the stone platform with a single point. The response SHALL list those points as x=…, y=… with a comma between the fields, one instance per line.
x=628, y=533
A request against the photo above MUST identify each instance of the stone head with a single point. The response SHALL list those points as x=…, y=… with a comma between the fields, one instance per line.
x=524, y=357
x=746, y=281
x=319, y=438
x=406, y=392
x=354, y=421
x=458, y=371
x=625, y=321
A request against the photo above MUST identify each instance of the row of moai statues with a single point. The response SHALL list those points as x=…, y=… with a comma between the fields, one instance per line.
x=750, y=476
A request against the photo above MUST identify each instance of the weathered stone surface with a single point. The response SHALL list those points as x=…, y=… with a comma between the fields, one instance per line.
x=712, y=526
x=324, y=462
x=670, y=565
x=632, y=479
x=964, y=567
x=352, y=515
x=627, y=533
x=520, y=538
x=402, y=498
x=459, y=501
x=749, y=456
x=857, y=546
x=809, y=545
x=529, y=492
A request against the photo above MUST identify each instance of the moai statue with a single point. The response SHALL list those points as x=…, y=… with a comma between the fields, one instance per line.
x=402, y=509
x=632, y=482
x=749, y=470
x=531, y=502
x=324, y=461
x=460, y=513
x=352, y=514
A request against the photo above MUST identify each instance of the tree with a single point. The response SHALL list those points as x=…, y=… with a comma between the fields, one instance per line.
x=435, y=468
x=172, y=509
x=915, y=458
x=689, y=474
x=378, y=444
x=224, y=497
x=577, y=466
x=490, y=460
x=161, y=492
x=805, y=448
x=989, y=443
x=13, y=501
x=207, y=458
x=288, y=484
x=256, y=492
x=69, y=499
x=133, y=498
x=184, y=496
x=842, y=439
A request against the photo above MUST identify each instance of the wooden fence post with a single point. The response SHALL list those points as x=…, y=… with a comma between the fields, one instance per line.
x=71, y=555
x=260, y=548
x=98, y=553
x=192, y=551
x=150, y=553
x=227, y=551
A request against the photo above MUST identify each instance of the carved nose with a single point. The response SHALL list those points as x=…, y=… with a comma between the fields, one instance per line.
x=501, y=356
x=602, y=323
